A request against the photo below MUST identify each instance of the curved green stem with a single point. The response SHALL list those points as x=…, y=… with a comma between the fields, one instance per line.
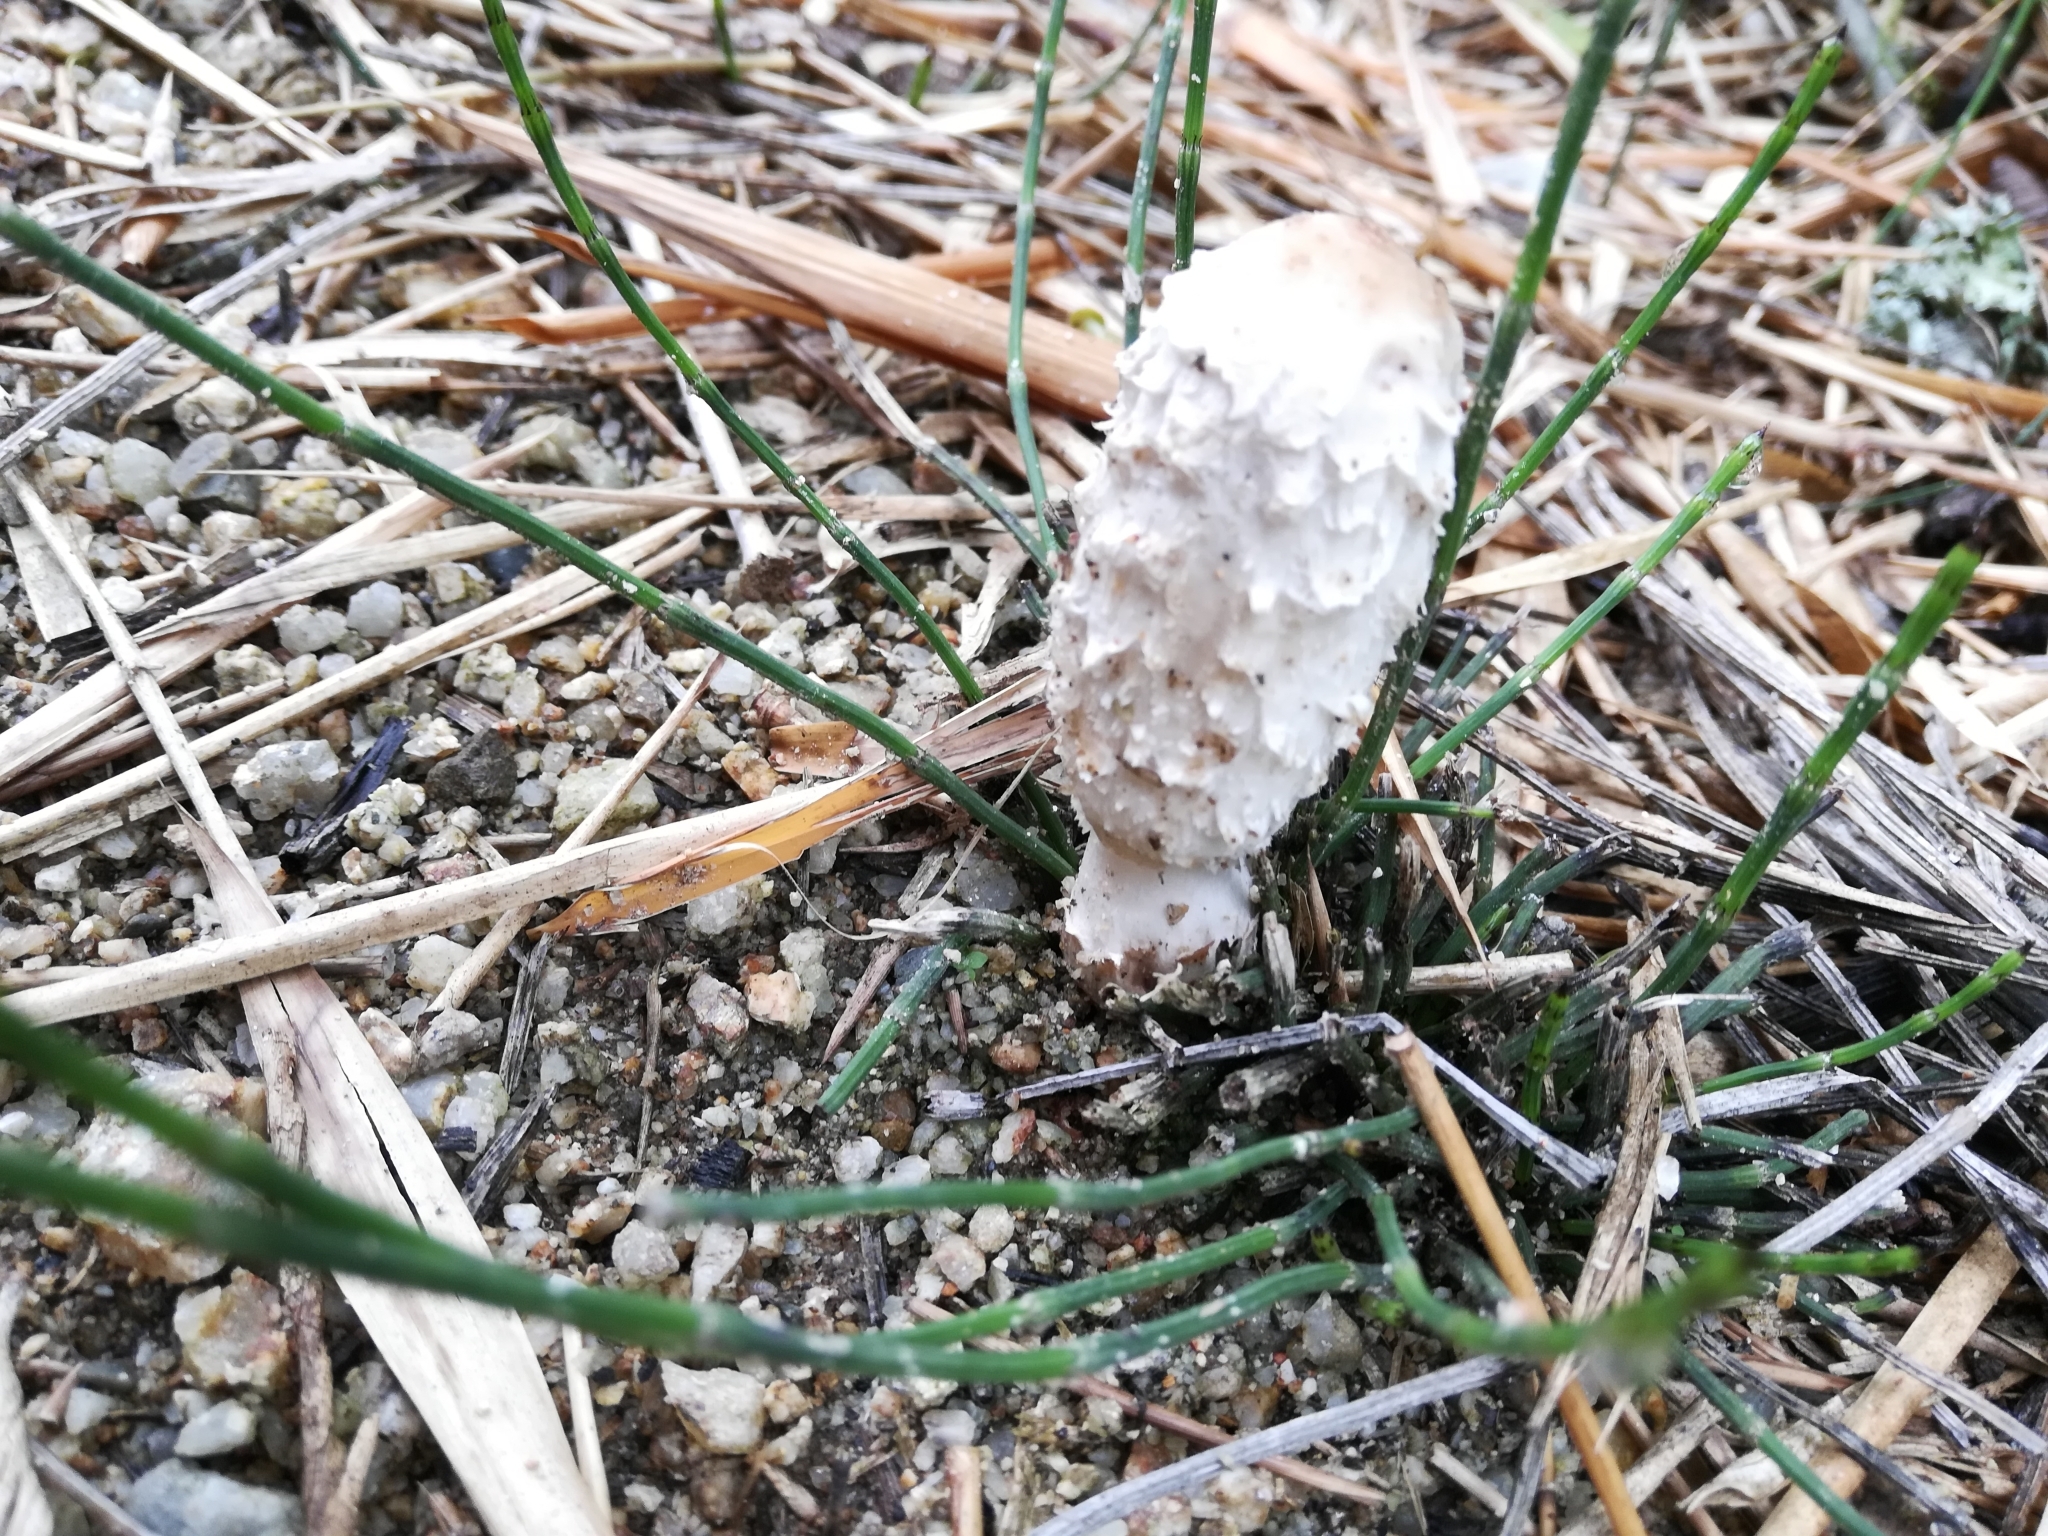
x=1702, y=246
x=326, y=422
x=533, y=117
x=1148, y=170
x=1035, y=1194
x=1726, y=473
x=2008, y=40
x=1804, y=792
x=1020, y=266
x=1978, y=986
x=1187, y=180
x=1516, y=313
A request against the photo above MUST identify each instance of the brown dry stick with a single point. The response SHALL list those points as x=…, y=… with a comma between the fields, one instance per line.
x=1960, y=1303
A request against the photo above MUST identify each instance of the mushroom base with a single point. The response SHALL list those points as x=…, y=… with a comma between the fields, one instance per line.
x=1130, y=922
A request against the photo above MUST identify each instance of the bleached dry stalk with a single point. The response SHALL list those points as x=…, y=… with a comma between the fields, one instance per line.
x=137, y=790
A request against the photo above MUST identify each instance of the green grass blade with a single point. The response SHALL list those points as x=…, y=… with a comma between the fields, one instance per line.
x=1187, y=179
x=1035, y=1194
x=1148, y=170
x=1726, y=473
x=1020, y=265
x=1736, y=1410
x=721, y=25
x=2015, y=28
x=1508, y=331
x=901, y=1008
x=1804, y=792
x=326, y=422
x=534, y=119
x=1978, y=986
x=1673, y=9
x=1702, y=246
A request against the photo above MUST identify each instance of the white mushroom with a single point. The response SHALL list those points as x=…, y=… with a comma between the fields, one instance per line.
x=1254, y=544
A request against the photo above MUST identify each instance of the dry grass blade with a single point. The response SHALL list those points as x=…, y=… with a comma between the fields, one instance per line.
x=880, y=299
x=468, y=1368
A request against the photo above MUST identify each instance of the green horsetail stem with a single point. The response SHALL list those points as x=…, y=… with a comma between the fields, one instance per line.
x=540, y=131
x=1978, y=986
x=1036, y=1194
x=901, y=1008
x=1516, y=313
x=325, y=421
x=1703, y=245
x=1736, y=1409
x=1879, y=684
x=2015, y=28
x=1148, y=170
x=305, y=1222
x=1726, y=473
x=1194, y=112
x=1014, y=378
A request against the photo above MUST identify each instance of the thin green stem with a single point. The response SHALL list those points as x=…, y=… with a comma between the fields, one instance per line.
x=1665, y=32
x=2015, y=28
x=920, y=80
x=1978, y=986
x=1548, y=1028
x=1702, y=246
x=1509, y=329
x=1804, y=792
x=1148, y=170
x=901, y=1008
x=1020, y=266
x=1035, y=1309
x=1035, y=1194
x=533, y=117
x=1187, y=179
x=308, y=1223
x=701, y=1329
x=1726, y=473
x=326, y=422
x=722, y=26
x=1736, y=1410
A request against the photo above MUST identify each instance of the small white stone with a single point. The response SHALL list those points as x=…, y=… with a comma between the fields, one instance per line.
x=718, y=1009
x=959, y=1260
x=286, y=776
x=376, y=611
x=991, y=1227
x=137, y=471
x=579, y=793
x=302, y=629
x=720, y=1247
x=59, y=878
x=856, y=1161
x=723, y=910
x=434, y=959
x=85, y=1409
x=222, y=1428
x=644, y=1253
x=217, y=405
x=725, y=1408
x=175, y=1496
x=950, y=1158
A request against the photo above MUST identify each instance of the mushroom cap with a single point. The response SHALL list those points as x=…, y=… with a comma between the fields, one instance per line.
x=1257, y=538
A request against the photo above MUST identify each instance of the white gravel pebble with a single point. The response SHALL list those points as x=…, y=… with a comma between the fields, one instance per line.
x=857, y=1160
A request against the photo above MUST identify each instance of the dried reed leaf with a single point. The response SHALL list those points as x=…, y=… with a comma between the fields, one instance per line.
x=893, y=302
